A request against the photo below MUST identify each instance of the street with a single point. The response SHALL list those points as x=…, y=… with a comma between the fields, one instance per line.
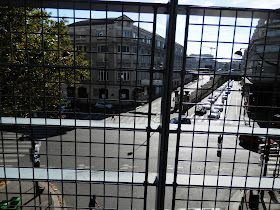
x=108, y=150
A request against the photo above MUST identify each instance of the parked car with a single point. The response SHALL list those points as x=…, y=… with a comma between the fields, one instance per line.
x=224, y=97
x=220, y=107
x=102, y=105
x=212, y=98
x=276, y=120
x=213, y=115
x=67, y=109
x=207, y=106
x=254, y=141
x=214, y=110
x=200, y=110
x=184, y=120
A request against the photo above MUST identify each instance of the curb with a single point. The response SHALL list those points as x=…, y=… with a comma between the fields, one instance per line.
x=236, y=200
x=58, y=203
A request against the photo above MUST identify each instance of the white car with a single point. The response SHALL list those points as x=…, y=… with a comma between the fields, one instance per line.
x=102, y=105
x=214, y=110
x=224, y=97
x=212, y=98
x=207, y=106
x=213, y=115
x=219, y=107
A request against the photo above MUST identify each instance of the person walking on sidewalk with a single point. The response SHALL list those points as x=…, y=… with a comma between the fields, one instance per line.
x=113, y=116
x=92, y=203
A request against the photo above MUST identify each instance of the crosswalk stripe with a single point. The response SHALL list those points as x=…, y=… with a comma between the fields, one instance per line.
x=13, y=150
x=12, y=155
x=14, y=141
x=16, y=146
x=9, y=161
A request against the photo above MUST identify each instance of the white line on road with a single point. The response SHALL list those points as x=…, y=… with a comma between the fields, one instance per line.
x=16, y=146
x=13, y=150
x=11, y=156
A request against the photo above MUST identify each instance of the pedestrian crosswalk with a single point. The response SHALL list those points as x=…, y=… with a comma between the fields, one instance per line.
x=11, y=150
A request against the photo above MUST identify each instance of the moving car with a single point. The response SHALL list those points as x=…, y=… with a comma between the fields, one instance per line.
x=184, y=120
x=254, y=141
x=200, y=110
x=102, y=105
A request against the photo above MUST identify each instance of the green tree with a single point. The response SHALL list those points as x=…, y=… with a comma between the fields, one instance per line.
x=37, y=61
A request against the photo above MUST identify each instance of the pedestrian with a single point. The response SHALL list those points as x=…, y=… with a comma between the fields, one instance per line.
x=113, y=116
x=92, y=203
x=220, y=139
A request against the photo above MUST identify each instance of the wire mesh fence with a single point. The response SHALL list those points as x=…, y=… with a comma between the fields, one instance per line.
x=124, y=105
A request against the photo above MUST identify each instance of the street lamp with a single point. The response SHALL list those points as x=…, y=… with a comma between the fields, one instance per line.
x=239, y=54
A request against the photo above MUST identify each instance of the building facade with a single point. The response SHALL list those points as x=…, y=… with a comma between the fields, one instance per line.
x=261, y=85
x=119, y=54
x=197, y=61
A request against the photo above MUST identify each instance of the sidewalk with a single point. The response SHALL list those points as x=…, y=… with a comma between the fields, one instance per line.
x=46, y=197
x=271, y=200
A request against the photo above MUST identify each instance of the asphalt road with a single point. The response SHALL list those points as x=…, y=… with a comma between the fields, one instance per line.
x=99, y=150
x=108, y=150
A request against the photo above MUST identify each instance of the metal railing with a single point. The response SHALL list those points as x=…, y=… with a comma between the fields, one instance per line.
x=138, y=105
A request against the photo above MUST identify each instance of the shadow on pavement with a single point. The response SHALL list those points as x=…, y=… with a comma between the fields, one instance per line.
x=40, y=132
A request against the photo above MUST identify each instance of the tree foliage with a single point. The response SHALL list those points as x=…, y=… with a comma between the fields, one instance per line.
x=37, y=61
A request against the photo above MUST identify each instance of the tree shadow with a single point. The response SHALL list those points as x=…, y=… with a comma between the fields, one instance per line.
x=39, y=132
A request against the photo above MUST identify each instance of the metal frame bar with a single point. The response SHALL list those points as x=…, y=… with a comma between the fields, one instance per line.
x=162, y=179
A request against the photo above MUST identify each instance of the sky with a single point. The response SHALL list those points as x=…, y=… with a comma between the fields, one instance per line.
x=269, y=4
x=208, y=34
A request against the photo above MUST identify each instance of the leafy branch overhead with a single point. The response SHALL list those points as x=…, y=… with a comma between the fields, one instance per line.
x=35, y=66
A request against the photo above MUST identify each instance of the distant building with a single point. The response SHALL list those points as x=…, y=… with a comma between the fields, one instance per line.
x=196, y=61
x=261, y=85
x=119, y=53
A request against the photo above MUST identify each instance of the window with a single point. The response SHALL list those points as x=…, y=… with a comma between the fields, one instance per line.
x=99, y=33
x=124, y=76
x=135, y=50
x=124, y=94
x=273, y=33
x=103, y=93
x=126, y=33
x=125, y=49
x=81, y=37
x=149, y=41
x=158, y=43
x=81, y=48
x=82, y=92
x=103, y=75
x=135, y=36
x=102, y=48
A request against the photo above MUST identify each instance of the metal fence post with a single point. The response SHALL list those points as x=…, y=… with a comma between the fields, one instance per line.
x=166, y=103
